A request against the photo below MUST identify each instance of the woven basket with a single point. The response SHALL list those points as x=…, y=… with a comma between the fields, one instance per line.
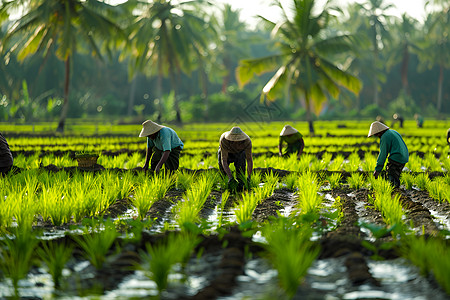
x=87, y=162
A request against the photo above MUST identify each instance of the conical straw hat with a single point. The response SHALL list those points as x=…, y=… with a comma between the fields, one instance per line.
x=236, y=134
x=288, y=130
x=149, y=128
x=376, y=127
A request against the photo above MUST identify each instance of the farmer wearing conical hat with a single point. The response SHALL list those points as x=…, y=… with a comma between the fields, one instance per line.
x=163, y=146
x=6, y=158
x=393, y=148
x=235, y=147
x=294, y=140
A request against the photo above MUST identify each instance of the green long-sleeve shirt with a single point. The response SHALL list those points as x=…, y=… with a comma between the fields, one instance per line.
x=392, y=144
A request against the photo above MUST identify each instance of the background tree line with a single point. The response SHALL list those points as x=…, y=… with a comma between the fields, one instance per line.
x=196, y=61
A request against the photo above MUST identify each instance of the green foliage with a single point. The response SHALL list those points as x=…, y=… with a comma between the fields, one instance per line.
x=334, y=179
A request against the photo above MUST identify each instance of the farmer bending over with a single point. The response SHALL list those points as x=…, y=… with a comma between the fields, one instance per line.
x=6, y=158
x=293, y=139
x=165, y=145
x=392, y=144
x=235, y=147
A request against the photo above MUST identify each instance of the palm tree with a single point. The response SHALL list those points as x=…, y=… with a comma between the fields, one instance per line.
x=64, y=25
x=375, y=22
x=435, y=45
x=166, y=37
x=400, y=45
x=305, y=70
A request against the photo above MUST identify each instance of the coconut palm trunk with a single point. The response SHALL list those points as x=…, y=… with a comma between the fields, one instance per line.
x=65, y=108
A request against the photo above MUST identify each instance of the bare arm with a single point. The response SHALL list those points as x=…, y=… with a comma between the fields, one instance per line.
x=225, y=165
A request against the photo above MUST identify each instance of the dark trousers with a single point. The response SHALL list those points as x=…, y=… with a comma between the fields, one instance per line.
x=394, y=170
x=238, y=159
x=173, y=161
x=5, y=170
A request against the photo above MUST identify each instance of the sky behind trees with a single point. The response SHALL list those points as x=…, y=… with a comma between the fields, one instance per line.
x=252, y=8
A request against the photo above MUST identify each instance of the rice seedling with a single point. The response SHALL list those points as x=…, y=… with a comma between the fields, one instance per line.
x=431, y=162
x=184, y=179
x=159, y=259
x=271, y=181
x=422, y=180
x=389, y=205
x=134, y=160
x=16, y=257
x=336, y=164
x=145, y=195
x=407, y=179
x=415, y=163
x=187, y=211
x=437, y=189
x=223, y=203
x=244, y=209
x=308, y=188
x=356, y=180
x=55, y=255
x=290, y=180
x=326, y=159
x=353, y=162
x=290, y=251
x=369, y=162
x=445, y=163
x=97, y=241
x=335, y=180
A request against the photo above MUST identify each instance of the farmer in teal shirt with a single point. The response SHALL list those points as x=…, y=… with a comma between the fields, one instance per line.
x=392, y=144
x=165, y=145
x=293, y=139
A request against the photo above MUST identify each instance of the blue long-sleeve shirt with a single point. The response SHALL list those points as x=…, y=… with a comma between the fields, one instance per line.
x=392, y=144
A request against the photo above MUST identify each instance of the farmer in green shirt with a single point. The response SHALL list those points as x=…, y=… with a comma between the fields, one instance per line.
x=165, y=145
x=6, y=158
x=293, y=139
x=235, y=146
x=392, y=144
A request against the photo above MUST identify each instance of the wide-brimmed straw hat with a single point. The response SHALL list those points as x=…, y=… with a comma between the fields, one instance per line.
x=288, y=130
x=236, y=134
x=376, y=127
x=149, y=128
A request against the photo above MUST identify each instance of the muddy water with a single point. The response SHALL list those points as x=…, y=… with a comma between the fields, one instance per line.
x=344, y=269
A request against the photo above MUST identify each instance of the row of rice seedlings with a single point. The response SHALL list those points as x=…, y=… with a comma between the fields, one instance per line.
x=389, y=205
x=145, y=194
x=431, y=256
x=439, y=189
x=187, y=211
x=290, y=251
x=308, y=191
x=250, y=199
